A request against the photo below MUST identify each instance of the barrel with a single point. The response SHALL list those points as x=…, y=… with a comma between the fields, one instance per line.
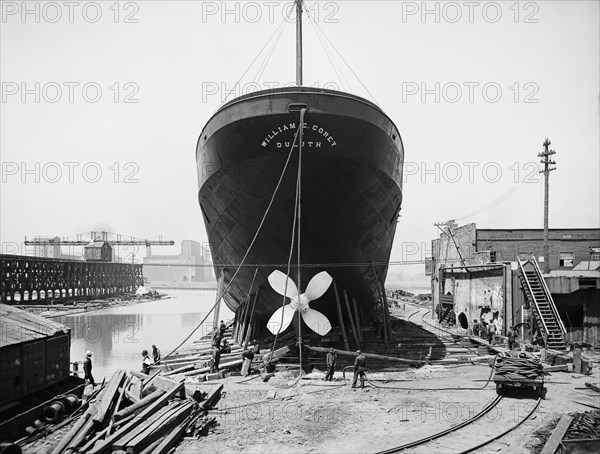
x=71, y=403
x=53, y=412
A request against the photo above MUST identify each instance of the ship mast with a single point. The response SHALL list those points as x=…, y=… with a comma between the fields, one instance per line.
x=299, y=42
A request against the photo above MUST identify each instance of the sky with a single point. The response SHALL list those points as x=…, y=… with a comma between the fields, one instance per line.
x=103, y=102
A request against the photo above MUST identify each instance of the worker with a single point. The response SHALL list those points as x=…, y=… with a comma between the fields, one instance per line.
x=155, y=354
x=330, y=360
x=216, y=337
x=146, y=362
x=216, y=357
x=511, y=338
x=222, y=328
x=476, y=328
x=87, y=368
x=248, y=356
x=491, y=333
x=359, y=369
x=226, y=348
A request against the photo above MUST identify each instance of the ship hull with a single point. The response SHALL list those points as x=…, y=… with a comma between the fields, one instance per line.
x=351, y=193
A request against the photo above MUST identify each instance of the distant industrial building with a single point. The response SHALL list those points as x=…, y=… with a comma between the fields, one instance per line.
x=493, y=275
x=189, y=266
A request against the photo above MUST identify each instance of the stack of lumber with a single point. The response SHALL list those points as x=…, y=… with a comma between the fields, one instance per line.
x=193, y=363
x=137, y=413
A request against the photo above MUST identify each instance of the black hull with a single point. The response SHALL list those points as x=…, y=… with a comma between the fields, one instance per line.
x=352, y=160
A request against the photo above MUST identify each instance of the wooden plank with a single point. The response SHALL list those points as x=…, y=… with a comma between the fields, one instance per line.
x=252, y=317
x=217, y=308
x=369, y=355
x=557, y=435
x=351, y=318
x=109, y=396
x=340, y=316
x=121, y=443
x=561, y=367
x=165, y=445
x=357, y=315
x=138, y=405
x=212, y=398
x=107, y=443
x=159, y=429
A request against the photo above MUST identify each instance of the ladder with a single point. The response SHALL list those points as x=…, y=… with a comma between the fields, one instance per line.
x=540, y=300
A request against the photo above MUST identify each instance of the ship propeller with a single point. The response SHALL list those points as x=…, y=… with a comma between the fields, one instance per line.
x=283, y=316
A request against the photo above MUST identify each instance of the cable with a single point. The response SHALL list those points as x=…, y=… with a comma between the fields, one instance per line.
x=349, y=67
x=300, y=126
x=439, y=389
x=327, y=53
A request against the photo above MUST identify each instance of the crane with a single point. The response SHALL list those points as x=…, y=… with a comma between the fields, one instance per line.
x=113, y=239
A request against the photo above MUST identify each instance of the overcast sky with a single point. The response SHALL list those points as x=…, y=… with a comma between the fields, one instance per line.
x=102, y=104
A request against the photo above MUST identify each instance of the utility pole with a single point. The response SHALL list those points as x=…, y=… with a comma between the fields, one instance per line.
x=545, y=155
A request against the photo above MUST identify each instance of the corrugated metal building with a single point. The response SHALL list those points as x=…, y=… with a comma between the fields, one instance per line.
x=34, y=353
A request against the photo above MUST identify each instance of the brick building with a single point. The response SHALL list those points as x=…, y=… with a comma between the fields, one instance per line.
x=475, y=275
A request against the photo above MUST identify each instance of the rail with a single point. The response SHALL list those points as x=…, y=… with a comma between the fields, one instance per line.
x=551, y=303
x=530, y=290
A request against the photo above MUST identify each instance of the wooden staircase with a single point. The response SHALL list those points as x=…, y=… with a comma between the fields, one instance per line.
x=540, y=300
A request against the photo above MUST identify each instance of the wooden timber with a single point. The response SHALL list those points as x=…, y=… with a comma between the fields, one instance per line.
x=340, y=316
x=351, y=319
x=105, y=445
x=358, y=322
x=557, y=435
x=251, y=321
x=138, y=405
x=369, y=355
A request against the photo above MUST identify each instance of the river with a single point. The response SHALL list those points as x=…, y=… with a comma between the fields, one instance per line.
x=118, y=335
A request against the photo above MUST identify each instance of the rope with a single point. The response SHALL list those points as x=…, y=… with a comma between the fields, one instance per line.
x=335, y=67
x=224, y=292
x=263, y=66
x=346, y=63
x=282, y=25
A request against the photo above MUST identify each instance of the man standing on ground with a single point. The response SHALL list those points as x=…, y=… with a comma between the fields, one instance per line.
x=475, y=328
x=146, y=362
x=87, y=367
x=216, y=357
x=155, y=354
x=511, y=338
x=331, y=359
x=359, y=369
x=491, y=332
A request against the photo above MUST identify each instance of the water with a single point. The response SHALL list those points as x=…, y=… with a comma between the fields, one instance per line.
x=117, y=336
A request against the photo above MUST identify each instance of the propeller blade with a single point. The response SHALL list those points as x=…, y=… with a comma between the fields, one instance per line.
x=275, y=325
x=278, y=282
x=318, y=285
x=316, y=321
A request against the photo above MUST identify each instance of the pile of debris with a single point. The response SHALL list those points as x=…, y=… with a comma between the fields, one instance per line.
x=584, y=426
x=138, y=413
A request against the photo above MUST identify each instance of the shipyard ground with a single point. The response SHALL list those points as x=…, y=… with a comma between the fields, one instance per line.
x=394, y=408
x=330, y=417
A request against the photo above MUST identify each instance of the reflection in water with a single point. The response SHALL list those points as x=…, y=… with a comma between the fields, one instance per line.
x=117, y=336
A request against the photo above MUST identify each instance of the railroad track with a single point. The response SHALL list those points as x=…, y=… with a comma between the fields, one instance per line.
x=470, y=429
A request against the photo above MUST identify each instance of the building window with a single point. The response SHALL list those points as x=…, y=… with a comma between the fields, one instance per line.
x=492, y=256
x=566, y=259
x=595, y=255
